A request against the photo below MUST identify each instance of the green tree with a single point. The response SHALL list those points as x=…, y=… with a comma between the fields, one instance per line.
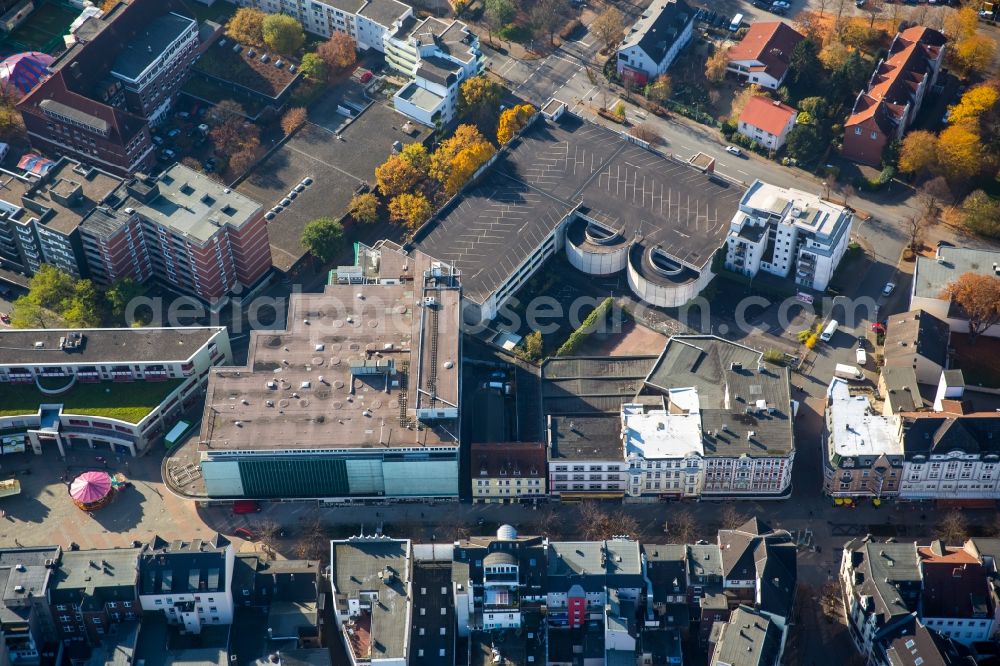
x=804, y=62
x=530, y=347
x=313, y=66
x=283, y=34
x=324, y=238
x=120, y=294
x=497, y=14
x=26, y=314
x=980, y=214
x=817, y=107
x=804, y=143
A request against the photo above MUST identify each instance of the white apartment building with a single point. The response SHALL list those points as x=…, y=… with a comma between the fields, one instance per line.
x=585, y=457
x=439, y=55
x=190, y=582
x=664, y=448
x=367, y=21
x=787, y=232
x=951, y=457
x=655, y=40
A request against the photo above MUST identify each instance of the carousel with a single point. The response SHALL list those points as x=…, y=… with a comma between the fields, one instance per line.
x=94, y=489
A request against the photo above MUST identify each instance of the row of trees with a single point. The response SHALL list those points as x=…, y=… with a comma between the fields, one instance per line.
x=56, y=299
x=278, y=32
x=284, y=34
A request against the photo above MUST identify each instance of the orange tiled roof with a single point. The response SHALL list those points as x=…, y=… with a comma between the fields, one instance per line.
x=767, y=114
x=769, y=42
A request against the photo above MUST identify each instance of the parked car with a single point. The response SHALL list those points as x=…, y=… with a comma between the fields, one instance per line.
x=4, y=317
x=878, y=327
x=246, y=506
x=174, y=132
x=286, y=202
x=244, y=533
x=781, y=4
x=733, y=150
x=861, y=356
x=167, y=154
x=888, y=289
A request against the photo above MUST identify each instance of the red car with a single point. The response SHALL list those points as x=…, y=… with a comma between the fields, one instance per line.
x=244, y=534
x=246, y=506
x=4, y=317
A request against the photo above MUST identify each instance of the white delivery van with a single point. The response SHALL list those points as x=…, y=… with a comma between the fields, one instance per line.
x=861, y=356
x=848, y=372
x=828, y=332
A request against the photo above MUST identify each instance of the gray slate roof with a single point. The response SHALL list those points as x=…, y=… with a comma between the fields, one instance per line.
x=889, y=574
x=730, y=380
x=750, y=638
x=660, y=26
x=916, y=333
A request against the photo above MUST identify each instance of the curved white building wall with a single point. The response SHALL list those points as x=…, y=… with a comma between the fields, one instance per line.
x=667, y=296
x=597, y=263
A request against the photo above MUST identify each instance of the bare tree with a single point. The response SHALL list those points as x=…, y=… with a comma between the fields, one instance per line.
x=953, y=528
x=831, y=601
x=645, y=132
x=840, y=6
x=599, y=523
x=915, y=227
x=821, y=5
x=550, y=524
x=269, y=531
x=731, y=517
x=873, y=8
x=681, y=526
x=314, y=542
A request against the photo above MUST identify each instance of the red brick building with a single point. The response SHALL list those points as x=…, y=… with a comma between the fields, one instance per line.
x=895, y=94
x=120, y=77
x=182, y=228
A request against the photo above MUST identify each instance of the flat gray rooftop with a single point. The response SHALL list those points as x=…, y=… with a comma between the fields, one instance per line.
x=585, y=437
x=192, y=204
x=579, y=385
x=102, y=345
x=933, y=276
x=301, y=387
x=558, y=166
x=160, y=33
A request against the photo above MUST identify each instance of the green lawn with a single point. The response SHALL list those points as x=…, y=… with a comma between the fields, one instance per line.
x=127, y=401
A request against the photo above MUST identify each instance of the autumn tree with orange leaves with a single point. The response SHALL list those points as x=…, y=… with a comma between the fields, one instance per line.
x=979, y=297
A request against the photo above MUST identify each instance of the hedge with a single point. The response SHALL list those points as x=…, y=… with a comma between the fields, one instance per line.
x=580, y=335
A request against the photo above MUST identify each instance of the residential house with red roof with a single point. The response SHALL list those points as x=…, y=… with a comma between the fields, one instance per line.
x=120, y=77
x=766, y=121
x=764, y=54
x=895, y=93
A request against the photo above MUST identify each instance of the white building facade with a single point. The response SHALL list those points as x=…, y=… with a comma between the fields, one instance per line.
x=788, y=233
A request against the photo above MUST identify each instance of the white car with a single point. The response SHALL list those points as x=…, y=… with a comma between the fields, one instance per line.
x=888, y=288
x=861, y=356
x=733, y=150
x=781, y=4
